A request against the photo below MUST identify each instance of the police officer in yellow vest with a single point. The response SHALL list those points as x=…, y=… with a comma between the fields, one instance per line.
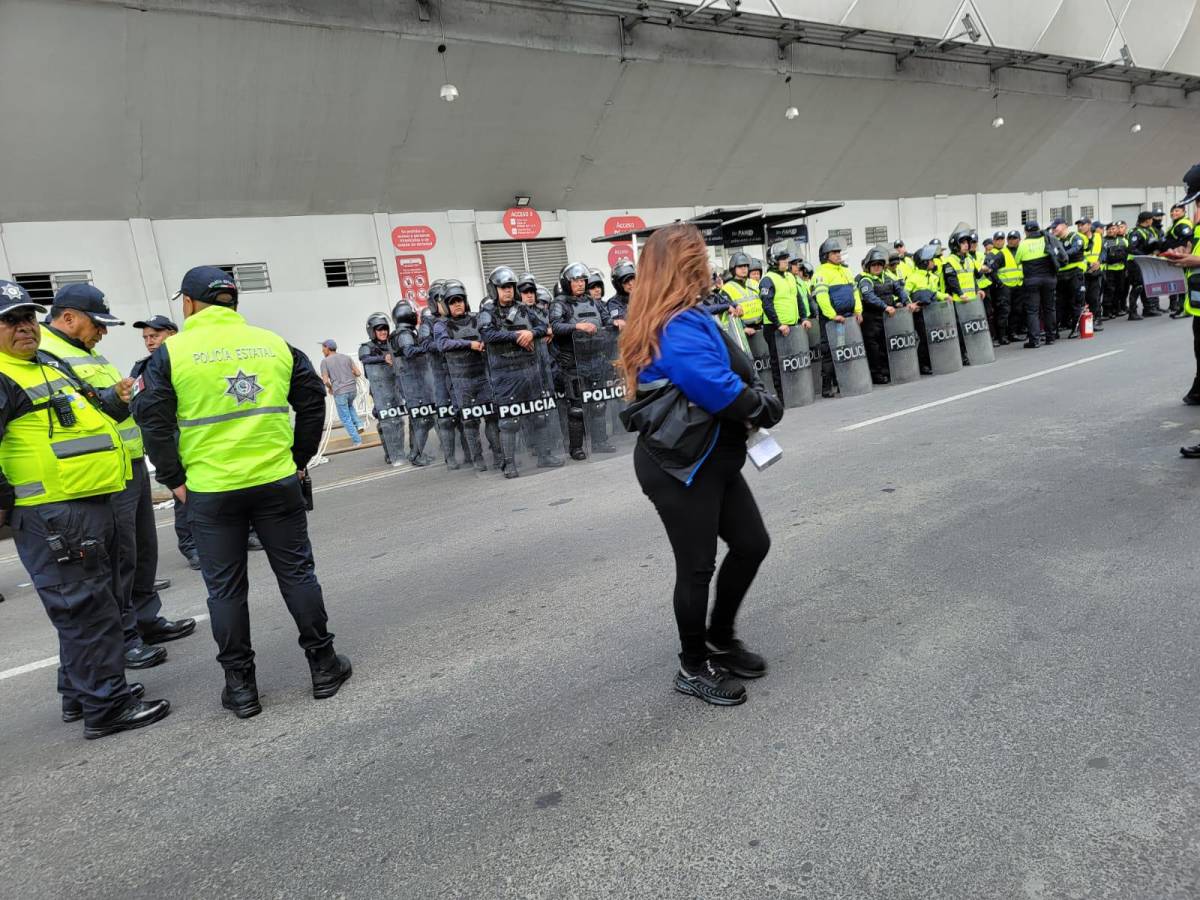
x=79, y=320
x=1093, y=275
x=743, y=299
x=1178, y=235
x=1038, y=279
x=61, y=461
x=1070, y=289
x=837, y=298
x=905, y=265
x=213, y=404
x=1006, y=281
x=780, y=295
x=1113, y=255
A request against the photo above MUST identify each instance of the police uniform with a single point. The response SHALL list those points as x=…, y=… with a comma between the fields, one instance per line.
x=779, y=293
x=1069, y=290
x=1113, y=255
x=1038, y=278
x=1143, y=241
x=61, y=462
x=1093, y=276
x=141, y=606
x=213, y=404
x=835, y=295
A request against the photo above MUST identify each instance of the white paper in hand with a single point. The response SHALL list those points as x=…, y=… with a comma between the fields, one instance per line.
x=763, y=449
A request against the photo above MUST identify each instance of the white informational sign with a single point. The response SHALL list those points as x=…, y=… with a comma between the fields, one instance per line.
x=1160, y=277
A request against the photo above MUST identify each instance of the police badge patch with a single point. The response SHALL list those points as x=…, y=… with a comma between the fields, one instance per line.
x=243, y=388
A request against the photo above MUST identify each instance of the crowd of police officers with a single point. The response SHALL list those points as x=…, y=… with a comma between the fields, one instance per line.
x=533, y=373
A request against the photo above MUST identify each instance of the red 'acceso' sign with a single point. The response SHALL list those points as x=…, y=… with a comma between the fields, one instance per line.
x=521, y=222
x=620, y=224
x=619, y=252
x=413, y=238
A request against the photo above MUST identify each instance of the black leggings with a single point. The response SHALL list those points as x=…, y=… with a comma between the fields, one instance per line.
x=717, y=504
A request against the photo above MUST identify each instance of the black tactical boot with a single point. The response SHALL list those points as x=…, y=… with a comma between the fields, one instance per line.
x=137, y=714
x=240, y=695
x=329, y=671
x=72, y=709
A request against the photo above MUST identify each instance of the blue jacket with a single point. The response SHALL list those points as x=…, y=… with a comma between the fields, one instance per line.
x=693, y=357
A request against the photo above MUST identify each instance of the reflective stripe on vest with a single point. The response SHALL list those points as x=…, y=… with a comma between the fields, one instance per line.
x=964, y=271
x=1010, y=273
x=99, y=373
x=1076, y=264
x=47, y=462
x=982, y=280
x=231, y=384
x=787, y=309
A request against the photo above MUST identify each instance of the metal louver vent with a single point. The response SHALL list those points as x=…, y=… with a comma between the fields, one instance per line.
x=544, y=258
x=248, y=276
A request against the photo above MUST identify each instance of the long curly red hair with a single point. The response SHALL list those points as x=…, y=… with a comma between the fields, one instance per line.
x=673, y=274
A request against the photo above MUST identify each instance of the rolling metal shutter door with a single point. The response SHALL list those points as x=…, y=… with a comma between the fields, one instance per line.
x=545, y=258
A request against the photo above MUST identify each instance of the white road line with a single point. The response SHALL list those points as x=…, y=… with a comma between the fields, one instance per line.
x=53, y=660
x=977, y=391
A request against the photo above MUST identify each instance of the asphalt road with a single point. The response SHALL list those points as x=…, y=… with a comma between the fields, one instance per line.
x=980, y=618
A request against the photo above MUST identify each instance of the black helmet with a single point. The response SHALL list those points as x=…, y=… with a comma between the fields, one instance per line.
x=569, y=273
x=778, y=252
x=739, y=259
x=377, y=319
x=404, y=314
x=894, y=257
x=806, y=268
x=455, y=288
x=897, y=244
x=543, y=296
x=829, y=245
x=959, y=234
x=756, y=264
x=594, y=279
x=527, y=282
x=1014, y=234
x=973, y=236
x=874, y=255
x=622, y=272
x=502, y=276
x=926, y=255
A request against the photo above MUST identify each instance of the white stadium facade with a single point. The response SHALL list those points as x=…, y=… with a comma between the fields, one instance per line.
x=307, y=145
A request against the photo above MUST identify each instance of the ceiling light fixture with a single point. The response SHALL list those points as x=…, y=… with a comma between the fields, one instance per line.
x=448, y=91
x=998, y=121
x=1135, y=127
x=792, y=112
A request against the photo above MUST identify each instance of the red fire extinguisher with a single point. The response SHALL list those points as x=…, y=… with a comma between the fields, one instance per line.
x=1085, y=325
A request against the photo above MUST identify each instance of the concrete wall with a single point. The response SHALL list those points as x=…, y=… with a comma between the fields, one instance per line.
x=139, y=263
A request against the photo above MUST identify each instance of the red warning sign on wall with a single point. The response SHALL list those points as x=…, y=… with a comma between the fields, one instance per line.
x=414, y=279
x=522, y=223
x=619, y=224
x=413, y=238
x=618, y=253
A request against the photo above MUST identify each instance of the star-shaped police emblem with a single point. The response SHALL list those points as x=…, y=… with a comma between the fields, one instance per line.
x=243, y=388
x=12, y=292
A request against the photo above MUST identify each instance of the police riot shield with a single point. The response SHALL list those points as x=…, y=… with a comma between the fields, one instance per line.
x=849, y=357
x=528, y=435
x=415, y=374
x=594, y=385
x=390, y=412
x=732, y=326
x=761, y=354
x=977, y=338
x=450, y=434
x=616, y=430
x=941, y=328
x=814, y=354
x=472, y=395
x=900, y=333
x=794, y=363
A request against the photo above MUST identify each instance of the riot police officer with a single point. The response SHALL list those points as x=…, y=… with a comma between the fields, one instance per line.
x=1142, y=242
x=79, y=320
x=511, y=333
x=449, y=425
x=1070, y=287
x=754, y=276
x=62, y=461
x=924, y=286
x=837, y=298
x=375, y=354
x=458, y=339
x=572, y=313
x=780, y=294
x=879, y=300
x=595, y=285
x=414, y=369
x=623, y=275
x=1114, y=254
x=214, y=411
x=1039, y=279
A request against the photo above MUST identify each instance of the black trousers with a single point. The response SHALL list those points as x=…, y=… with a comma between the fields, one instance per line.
x=132, y=506
x=1092, y=284
x=1116, y=287
x=1137, y=290
x=183, y=532
x=220, y=524
x=771, y=332
x=79, y=597
x=1018, y=322
x=1039, y=310
x=1069, y=293
x=718, y=503
x=147, y=604
x=998, y=303
x=875, y=342
x=922, y=341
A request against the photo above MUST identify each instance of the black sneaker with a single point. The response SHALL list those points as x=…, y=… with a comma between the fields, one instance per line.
x=711, y=684
x=734, y=656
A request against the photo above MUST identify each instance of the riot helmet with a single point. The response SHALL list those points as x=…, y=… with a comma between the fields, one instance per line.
x=455, y=289
x=875, y=256
x=895, y=258
x=527, y=282
x=622, y=272
x=502, y=276
x=594, y=279
x=756, y=265
x=377, y=320
x=436, y=304
x=828, y=246
x=572, y=272
x=806, y=268
x=404, y=314
x=543, y=297
x=779, y=252
x=926, y=255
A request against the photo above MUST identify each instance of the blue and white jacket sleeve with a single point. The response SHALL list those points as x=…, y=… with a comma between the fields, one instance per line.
x=694, y=358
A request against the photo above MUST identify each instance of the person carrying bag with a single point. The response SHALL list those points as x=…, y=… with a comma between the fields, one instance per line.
x=696, y=400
